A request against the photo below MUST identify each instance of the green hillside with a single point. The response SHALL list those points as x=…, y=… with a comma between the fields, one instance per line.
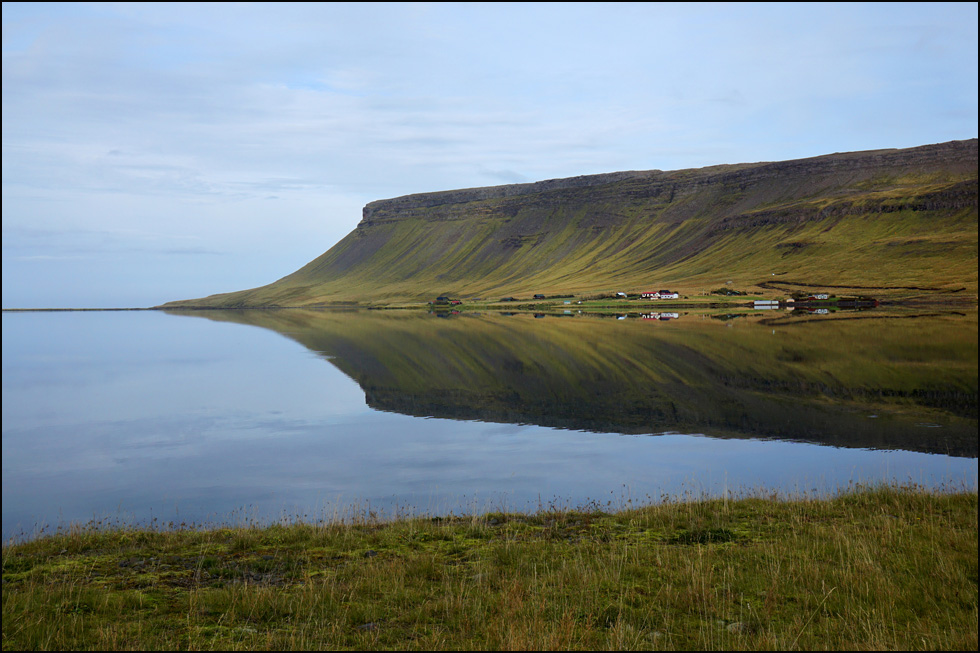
x=884, y=223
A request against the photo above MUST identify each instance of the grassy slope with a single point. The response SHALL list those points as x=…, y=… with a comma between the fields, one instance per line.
x=891, y=230
x=882, y=569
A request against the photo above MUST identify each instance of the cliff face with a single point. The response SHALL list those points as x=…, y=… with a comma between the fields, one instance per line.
x=881, y=219
x=382, y=210
x=813, y=175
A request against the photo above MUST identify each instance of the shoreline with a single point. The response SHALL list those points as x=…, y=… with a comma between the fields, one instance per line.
x=531, y=306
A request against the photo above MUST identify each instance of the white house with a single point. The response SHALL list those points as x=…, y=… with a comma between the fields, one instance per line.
x=660, y=294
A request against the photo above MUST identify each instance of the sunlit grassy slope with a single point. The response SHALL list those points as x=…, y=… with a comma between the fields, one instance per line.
x=882, y=223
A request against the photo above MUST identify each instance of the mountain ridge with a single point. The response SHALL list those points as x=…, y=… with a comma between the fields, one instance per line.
x=880, y=218
x=940, y=152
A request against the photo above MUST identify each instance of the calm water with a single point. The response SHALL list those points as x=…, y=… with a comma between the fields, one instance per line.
x=234, y=416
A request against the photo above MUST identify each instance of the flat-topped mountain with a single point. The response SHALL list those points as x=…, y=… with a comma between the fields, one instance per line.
x=877, y=222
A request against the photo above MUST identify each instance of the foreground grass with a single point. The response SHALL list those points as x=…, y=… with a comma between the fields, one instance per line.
x=873, y=568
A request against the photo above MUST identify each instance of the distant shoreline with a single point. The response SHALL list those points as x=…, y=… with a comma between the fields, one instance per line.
x=529, y=306
x=65, y=310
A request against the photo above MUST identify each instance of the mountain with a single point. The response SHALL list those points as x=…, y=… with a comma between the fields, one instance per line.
x=895, y=222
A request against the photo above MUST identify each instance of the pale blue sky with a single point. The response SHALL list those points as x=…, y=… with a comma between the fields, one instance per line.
x=154, y=152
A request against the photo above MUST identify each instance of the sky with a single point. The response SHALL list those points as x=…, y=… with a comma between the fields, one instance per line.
x=155, y=152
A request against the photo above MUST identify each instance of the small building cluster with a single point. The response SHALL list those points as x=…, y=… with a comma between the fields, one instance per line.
x=446, y=301
x=660, y=294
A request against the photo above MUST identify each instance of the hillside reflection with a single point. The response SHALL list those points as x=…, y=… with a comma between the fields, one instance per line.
x=867, y=380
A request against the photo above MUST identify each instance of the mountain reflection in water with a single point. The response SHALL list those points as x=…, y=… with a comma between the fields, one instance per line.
x=875, y=380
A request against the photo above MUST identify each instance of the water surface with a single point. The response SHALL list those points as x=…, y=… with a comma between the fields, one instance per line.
x=216, y=417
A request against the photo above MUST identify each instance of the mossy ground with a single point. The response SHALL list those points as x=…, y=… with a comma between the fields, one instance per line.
x=873, y=568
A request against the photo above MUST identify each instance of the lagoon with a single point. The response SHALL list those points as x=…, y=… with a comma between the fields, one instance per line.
x=231, y=417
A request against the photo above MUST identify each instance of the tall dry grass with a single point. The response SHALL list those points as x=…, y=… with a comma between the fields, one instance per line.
x=872, y=568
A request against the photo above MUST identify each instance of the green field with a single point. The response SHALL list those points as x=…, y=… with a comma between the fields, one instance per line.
x=872, y=568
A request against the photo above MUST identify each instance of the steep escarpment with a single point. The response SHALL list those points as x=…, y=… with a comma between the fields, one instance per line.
x=883, y=219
